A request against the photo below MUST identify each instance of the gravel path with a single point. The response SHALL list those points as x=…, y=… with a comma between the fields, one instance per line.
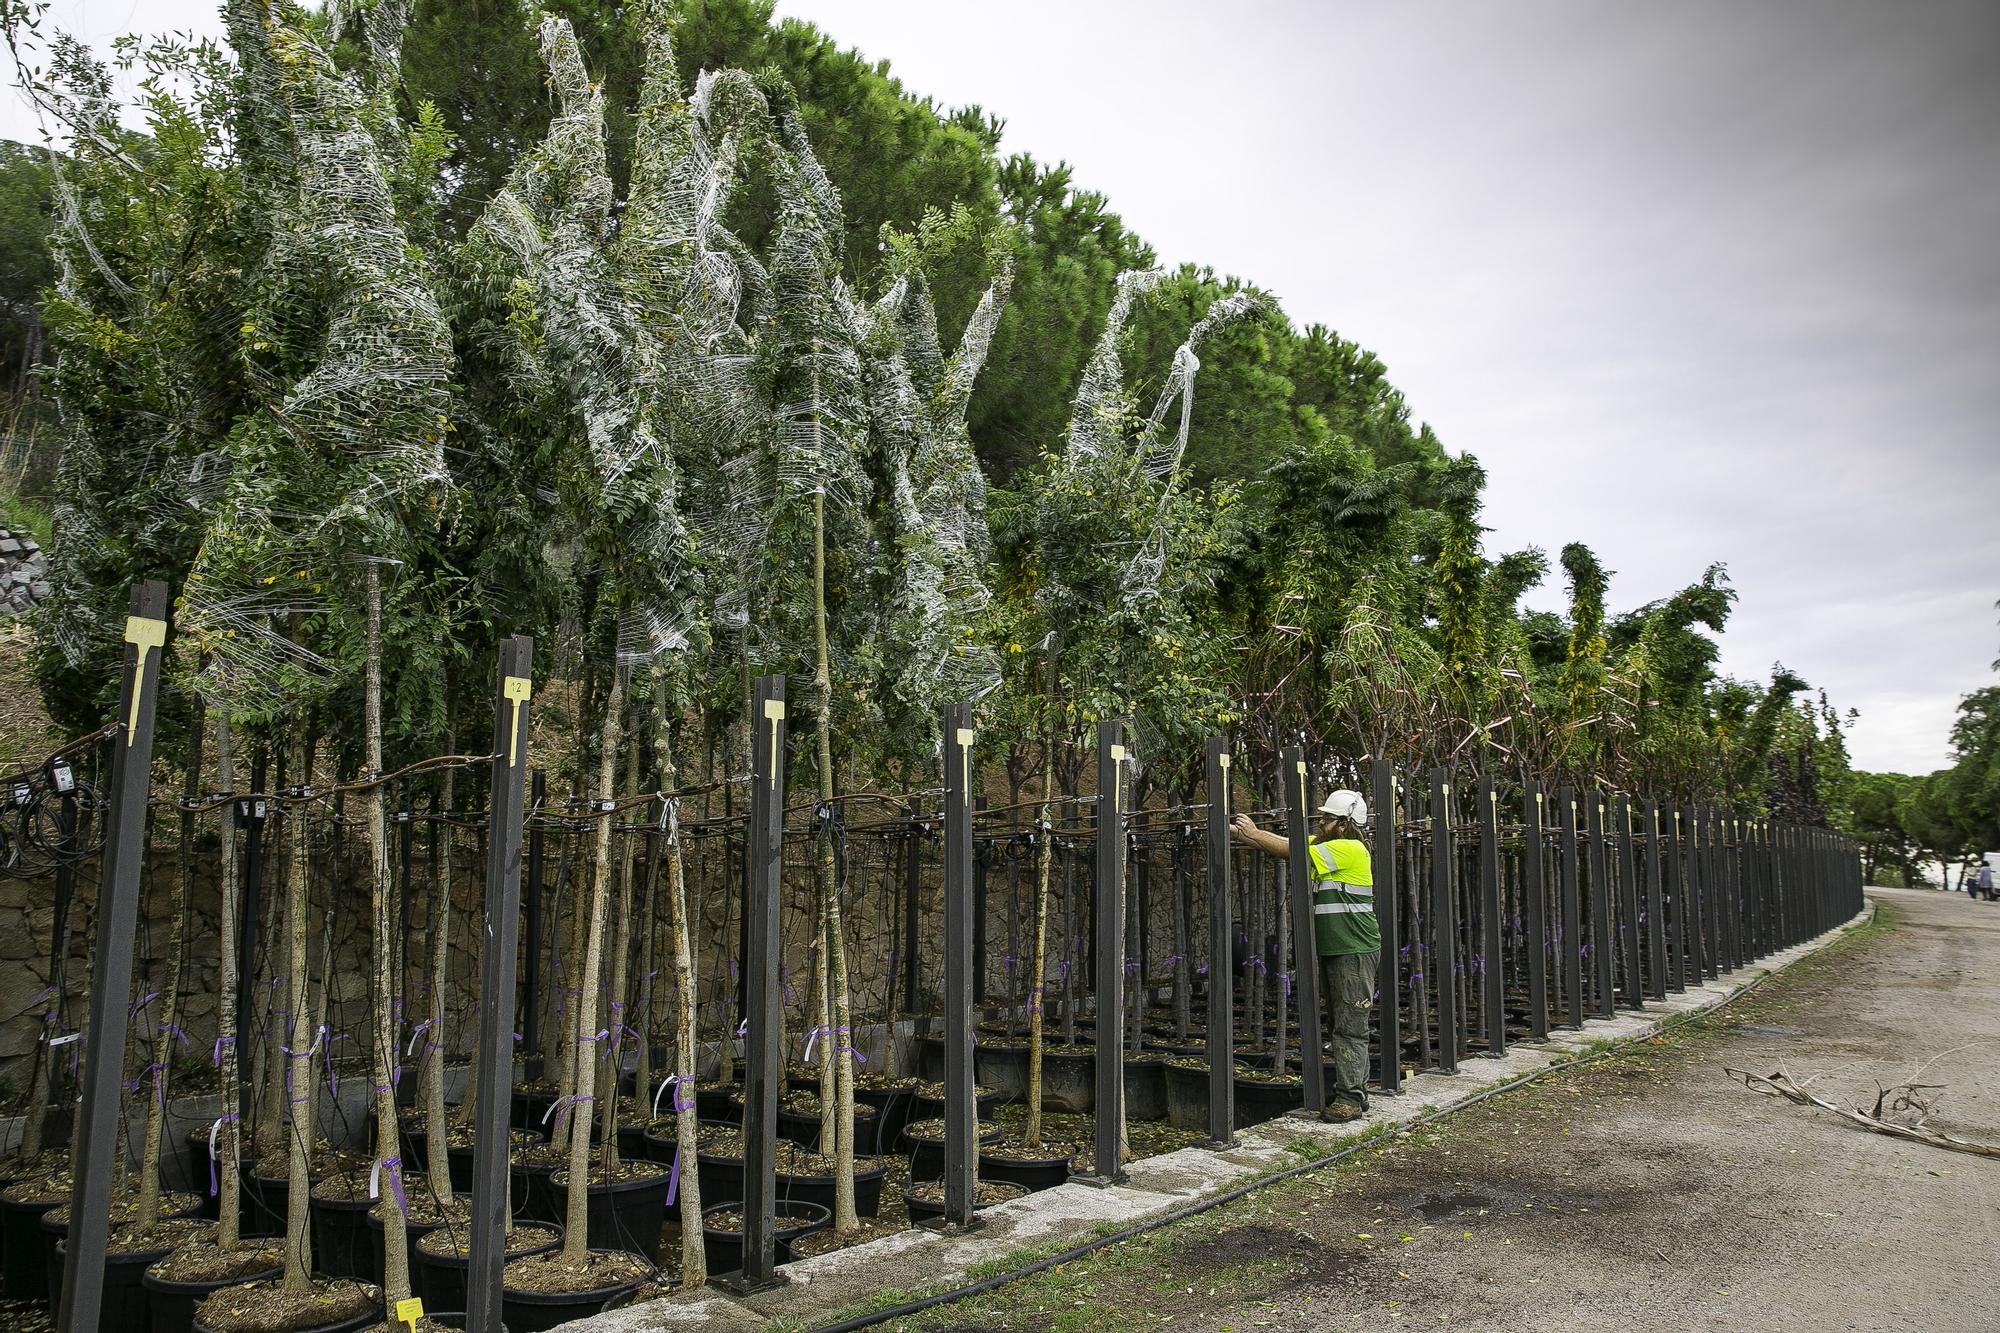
x=1641, y=1191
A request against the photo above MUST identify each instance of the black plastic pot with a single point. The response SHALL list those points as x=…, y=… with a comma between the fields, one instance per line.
x=1193, y=1048
x=1145, y=1088
x=1003, y=1069
x=932, y=1108
x=124, y=1306
x=265, y=1201
x=721, y=1176
x=725, y=1248
x=171, y=1304
x=529, y=1107
x=895, y=1105
x=341, y=1244
x=538, y=1201
x=1041, y=1173
x=928, y=1055
x=1187, y=1096
x=368, y=1319
x=711, y=1100
x=921, y=1211
x=1258, y=1101
x=624, y=1214
x=804, y=1129
x=440, y=1278
x=1069, y=1081
x=663, y=1148
x=202, y=1163
x=536, y=1311
x=458, y=1158
x=27, y=1276
x=927, y=1155
x=412, y=1233
x=819, y=1189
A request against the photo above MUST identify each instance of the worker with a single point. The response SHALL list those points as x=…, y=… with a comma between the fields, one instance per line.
x=1346, y=936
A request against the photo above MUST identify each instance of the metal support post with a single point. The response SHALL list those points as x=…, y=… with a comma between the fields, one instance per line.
x=95, y=1144
x=1569, y=931
x=961, y=1150
x=1108, y=907
x=1443, y=966
x=531, y=901
x=1388, y=981
x=493, y=1096
x=1603, y=942
x=1656, y=916
x=1628, y=902
x=1535, y=908
x=1492, y=973
x=979, y=869
x=1221, y=954
x=761, y=997
x=1305, y=937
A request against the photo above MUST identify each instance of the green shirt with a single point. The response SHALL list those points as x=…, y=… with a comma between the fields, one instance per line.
x=1343, y=898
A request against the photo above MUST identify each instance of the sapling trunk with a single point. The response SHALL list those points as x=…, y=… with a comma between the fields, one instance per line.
x=1038, y=960
x=227, y=1132
x=170, y=985
x=298, y=1069
x=845, y=1218
x=822, y=1021
x=643, y=1013
x=609, y=1080
x=576, y=1218
x=437, y=1131
x=270, y=1136
x=694, y=1259
x=396, y=1255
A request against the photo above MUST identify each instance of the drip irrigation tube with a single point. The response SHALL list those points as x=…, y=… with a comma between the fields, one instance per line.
x=1075, y=1252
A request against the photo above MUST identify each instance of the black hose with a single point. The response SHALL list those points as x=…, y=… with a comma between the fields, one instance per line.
x=1076, y=1252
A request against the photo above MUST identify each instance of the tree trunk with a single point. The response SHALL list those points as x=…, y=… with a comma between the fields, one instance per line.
x=1038, y=958
x=694, y=1258
x=610, y=1080
x=845, y=1219
x=226, y=1135
x=170, y=987
x=298, y=1072
x=388, y=1161
x=576, y=1217
x=437, y=1131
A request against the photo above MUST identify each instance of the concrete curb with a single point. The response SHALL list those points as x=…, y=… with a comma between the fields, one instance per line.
x=911, y=1264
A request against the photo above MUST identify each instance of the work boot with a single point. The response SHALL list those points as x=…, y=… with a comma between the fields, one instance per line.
x=1341, y=1113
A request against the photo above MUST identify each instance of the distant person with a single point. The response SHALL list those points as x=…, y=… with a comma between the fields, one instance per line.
x=1983, y=881
x=1349, y=942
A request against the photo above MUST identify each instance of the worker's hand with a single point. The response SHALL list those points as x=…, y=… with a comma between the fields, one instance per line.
x=1242, y=826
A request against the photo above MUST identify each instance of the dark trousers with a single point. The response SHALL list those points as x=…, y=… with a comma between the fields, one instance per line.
x=1347, y=994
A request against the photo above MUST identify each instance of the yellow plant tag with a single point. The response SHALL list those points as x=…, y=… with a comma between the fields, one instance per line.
x=146, y=634
x=409, y=1311
x=965, y=761
x=518, y=690
x=774, y=712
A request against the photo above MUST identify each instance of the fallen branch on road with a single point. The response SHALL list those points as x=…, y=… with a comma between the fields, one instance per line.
x=1902, y=1098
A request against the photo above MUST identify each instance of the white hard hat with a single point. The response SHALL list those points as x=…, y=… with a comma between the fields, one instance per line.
x=1345, y=804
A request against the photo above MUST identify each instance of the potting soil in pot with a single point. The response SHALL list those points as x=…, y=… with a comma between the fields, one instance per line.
x=626, y=1209
x=1031, y=1168
x=439, y=1260
x=325, y=1306
x=176, y=1282
x=545, y=1290
x=128, y=1250
x=926, y=1201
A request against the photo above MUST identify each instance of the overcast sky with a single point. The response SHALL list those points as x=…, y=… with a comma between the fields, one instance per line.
x=1699, y=281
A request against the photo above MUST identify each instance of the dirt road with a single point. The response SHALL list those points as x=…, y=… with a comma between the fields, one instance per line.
x=1641, y=1191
